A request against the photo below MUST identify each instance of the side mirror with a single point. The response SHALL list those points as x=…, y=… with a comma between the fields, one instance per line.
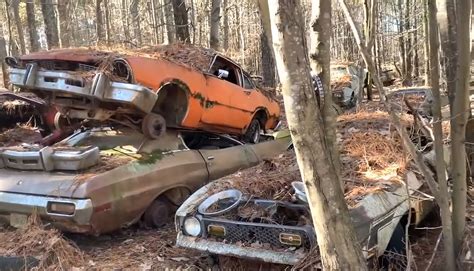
x=223, y=74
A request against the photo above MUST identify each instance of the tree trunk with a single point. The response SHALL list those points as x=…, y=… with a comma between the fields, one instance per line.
x=99, y=25
x=3, y=54
x=65, y=37
x=320, y=64
x=443, y=201
x=181, y=20
x=266, y=43
x=31, y=18
x=328, y=208
x=401, y=40
x=409, y=47
x=427, y=41
x=446, y=17
x=154, y=21
x=170, y=29
x=108, y=30
x=226, y=25
x=268, y=62
x=15, y=9
x=459, y=116
x=214, y=22
x=51, y=23
x=136, y=22
x=124, y=15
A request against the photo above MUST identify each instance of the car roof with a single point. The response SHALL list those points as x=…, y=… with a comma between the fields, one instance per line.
x=193, y=56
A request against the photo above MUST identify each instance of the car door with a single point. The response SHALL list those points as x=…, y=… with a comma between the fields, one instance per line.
x=245, y=101
x=217, y=107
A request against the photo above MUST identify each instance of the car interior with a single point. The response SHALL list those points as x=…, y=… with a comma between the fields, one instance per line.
x=222, y=64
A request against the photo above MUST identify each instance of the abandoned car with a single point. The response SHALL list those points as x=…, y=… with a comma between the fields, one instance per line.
x=228, y=222
x=261, y=213
x=149, y=89
x=100, y=179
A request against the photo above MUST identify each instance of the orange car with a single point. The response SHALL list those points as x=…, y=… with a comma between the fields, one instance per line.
x=149, y=89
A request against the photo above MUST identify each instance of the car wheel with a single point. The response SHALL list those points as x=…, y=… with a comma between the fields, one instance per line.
x=158, y=213
x=153, y=125
x=253, y=132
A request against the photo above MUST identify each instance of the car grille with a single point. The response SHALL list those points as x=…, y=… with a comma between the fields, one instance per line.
x=260, y=233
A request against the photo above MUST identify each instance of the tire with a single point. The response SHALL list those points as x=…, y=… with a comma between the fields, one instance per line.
x=153, y=125
x=158, y=213
x=252, y=135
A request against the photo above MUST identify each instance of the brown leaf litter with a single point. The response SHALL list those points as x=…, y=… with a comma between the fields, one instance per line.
x=47, y=245
x=371, y=153
x=19, y=134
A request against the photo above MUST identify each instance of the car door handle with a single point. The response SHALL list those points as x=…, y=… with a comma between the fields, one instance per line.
x=210, y=158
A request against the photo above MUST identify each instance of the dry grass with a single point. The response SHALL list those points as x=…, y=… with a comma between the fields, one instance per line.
x=48, y=246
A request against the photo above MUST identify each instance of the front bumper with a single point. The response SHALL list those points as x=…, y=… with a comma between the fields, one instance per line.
x=270, y=256
x=13, y=204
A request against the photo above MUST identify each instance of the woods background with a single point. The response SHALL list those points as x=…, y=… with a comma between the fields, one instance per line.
x=397, y=29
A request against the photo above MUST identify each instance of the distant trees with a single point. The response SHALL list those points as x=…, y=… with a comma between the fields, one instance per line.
x=51, y=23
x=181, y=20
x=32, y=30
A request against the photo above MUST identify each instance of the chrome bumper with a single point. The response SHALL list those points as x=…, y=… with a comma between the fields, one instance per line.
x=101, y=88
x=289, y=258
x=12, y=203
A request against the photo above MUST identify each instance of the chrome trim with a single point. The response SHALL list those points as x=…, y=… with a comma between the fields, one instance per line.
x=101, y=88
x=48, y=158
x=212, y=247
x=27, y=204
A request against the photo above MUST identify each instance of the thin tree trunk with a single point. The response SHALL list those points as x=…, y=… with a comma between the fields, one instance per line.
x=136, y=22
x=31, y=18
x=15, y=9
x=99, y=25
x=181, y=20
x=427, y=40
x=108, y=33
x=226, y=25
x=241, y=34
x=408, y=46
x=65, y=37
x=154, y=21
x=51, y=23
x=268, y=56
x=443, y=201
x=161, y=17
x=328, y=208
x=124, y=15
x=320, y=59
x=214, y=22
x=401, y=40
x=3, y=54
x=459, y=116
x=170, y=29
x=446, y=17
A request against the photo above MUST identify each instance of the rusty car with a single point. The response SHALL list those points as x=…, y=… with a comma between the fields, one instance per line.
x=216, y=219
x=150, y=89
x=101, y=179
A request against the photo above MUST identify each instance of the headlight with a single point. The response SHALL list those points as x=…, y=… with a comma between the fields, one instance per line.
x=192, y=226
x=62, y=208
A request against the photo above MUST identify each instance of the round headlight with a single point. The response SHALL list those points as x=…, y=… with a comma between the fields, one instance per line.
x=192, y=226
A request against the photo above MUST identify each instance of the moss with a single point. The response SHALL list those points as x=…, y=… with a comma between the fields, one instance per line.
x=153, y=157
